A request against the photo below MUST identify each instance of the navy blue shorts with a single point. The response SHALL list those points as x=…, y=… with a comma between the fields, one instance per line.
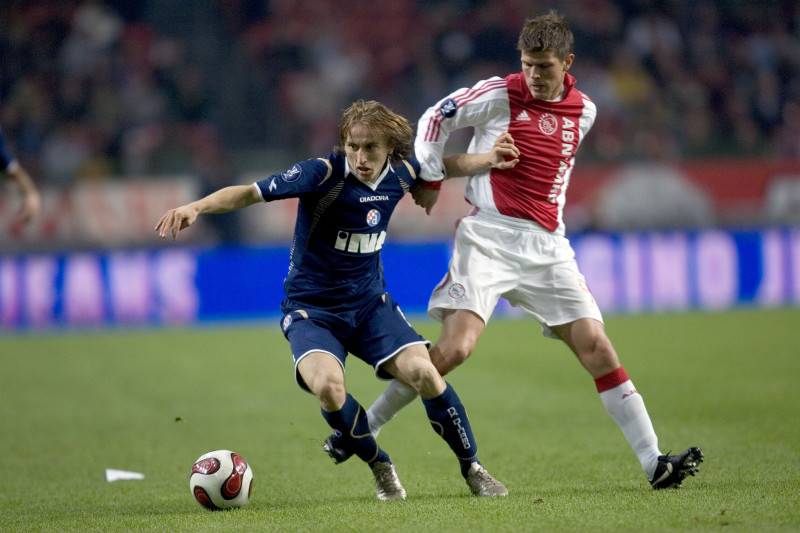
x=374, y=333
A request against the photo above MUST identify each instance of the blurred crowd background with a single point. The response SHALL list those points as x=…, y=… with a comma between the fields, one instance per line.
x=113, y=89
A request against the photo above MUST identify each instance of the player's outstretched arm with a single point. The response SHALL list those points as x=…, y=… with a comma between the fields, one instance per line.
x=221, y=201
x=504, y=154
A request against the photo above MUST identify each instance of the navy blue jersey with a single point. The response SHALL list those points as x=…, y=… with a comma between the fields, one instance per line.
x=341, y=226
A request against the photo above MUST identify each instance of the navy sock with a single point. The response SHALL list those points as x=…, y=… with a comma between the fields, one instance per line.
x=449, y=419
x=351, y=421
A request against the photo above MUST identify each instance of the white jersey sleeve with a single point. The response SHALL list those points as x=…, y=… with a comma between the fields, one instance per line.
x=484, y=106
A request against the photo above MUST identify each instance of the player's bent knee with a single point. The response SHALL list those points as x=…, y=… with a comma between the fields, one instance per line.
x=426, y=380
x=331, y=394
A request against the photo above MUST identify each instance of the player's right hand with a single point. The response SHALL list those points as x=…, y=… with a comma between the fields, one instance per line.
x=423, y=197
x=505, y=153
x=175, y=220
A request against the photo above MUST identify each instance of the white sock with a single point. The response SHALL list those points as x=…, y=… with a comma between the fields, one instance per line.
x=626, y=407
x=396, y=396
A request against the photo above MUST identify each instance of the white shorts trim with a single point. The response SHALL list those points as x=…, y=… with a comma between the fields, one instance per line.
x=382, y=374
x=299, y=379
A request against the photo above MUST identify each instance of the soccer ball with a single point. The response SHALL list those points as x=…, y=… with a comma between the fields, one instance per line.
x=221, y=479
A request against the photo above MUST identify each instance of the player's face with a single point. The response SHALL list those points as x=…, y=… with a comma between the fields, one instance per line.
x=366, y=153
x=544, y=74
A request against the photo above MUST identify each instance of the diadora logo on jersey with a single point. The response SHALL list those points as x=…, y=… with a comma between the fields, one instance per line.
x=448, y=108
x=359, y=243
x=379, y=198
x=373, y=217
x=293, y=174
x=548, y=124
x=524, y=116
x=272, y=185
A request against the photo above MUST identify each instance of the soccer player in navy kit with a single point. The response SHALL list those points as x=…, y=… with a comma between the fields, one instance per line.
x=336, y=301
x=526, y=130
x=11, y=168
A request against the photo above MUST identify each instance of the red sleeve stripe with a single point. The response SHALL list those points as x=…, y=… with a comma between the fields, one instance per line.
x=434, y=126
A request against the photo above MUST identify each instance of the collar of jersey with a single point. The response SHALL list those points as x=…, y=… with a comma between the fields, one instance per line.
x=374, y=184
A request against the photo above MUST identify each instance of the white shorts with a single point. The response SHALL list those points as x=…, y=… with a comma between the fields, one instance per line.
x=496, y=256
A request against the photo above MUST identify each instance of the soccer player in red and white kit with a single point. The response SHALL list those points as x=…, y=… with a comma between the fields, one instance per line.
x=527, y=129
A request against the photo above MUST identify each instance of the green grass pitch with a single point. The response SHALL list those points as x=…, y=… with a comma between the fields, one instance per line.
x=152, y=401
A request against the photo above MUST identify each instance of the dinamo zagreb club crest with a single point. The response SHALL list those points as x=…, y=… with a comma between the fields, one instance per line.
x=373, y=217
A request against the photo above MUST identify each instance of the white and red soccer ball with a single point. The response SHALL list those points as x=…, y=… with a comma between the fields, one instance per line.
x=221, y=479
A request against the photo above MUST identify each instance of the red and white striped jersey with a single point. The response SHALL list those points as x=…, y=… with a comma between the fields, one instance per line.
x=546, y=132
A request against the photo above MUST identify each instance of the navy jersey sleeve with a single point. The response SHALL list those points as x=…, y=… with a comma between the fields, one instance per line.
x=305, y=177
x=413, y=167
